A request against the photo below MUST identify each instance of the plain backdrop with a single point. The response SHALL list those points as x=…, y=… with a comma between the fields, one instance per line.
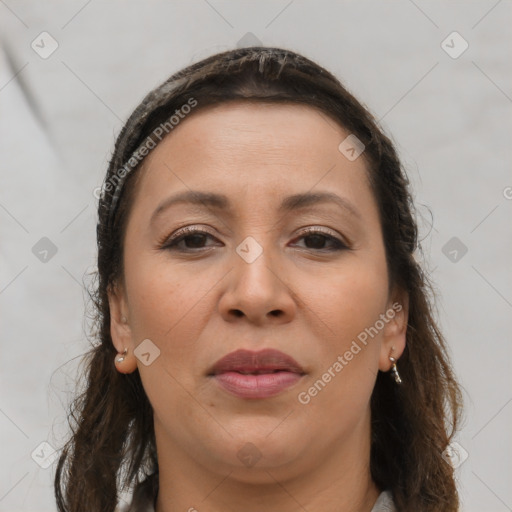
x=447, y=107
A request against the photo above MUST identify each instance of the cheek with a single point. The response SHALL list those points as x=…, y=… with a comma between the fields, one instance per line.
x=164, y=307
x=349, y=304
x=160, y=293
x=348, y=300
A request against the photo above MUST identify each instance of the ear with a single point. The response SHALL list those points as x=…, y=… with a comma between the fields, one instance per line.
x=119, y=330
x=395, y=329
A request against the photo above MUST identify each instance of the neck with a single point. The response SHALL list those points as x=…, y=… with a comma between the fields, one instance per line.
x=339, y=480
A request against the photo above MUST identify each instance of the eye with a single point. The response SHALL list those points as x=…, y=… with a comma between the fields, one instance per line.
x=193, y=238
x=318, y=238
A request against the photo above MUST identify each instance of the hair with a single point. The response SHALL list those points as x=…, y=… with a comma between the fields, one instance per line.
x=112, y=444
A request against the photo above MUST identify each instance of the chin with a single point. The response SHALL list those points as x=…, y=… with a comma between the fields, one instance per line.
x=259, y=448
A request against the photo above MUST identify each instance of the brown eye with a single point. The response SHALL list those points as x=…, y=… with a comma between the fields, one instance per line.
x=189, y=238
x=193, y=241
x=317, y=240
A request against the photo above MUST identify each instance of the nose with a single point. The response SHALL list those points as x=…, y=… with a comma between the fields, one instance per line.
x=258, y=291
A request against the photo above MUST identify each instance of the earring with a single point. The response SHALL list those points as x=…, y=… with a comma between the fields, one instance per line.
x=120, y=359
x=123, y=319
x=394, y=369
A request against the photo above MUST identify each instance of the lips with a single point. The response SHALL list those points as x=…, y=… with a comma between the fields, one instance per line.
x=264, y=361
x=262, y=374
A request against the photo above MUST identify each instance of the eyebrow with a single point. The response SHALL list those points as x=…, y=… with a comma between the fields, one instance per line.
x=288, y=204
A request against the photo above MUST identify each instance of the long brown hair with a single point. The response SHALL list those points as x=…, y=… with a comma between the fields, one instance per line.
x=112, y=446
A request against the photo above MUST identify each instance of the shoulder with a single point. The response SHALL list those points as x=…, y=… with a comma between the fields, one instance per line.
x=144, y=495
x=384, y=503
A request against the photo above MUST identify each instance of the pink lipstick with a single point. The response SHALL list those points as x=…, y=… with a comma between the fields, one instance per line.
x=262, y=374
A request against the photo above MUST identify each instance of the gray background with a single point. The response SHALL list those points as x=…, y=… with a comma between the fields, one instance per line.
x=450, y=117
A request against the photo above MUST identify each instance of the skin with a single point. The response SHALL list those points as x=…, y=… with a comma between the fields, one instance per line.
x=296, y=297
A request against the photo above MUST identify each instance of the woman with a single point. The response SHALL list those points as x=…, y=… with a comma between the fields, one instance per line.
x=266, y=341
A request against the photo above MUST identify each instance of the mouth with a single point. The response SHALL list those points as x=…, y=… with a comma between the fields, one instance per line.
x=256, y=375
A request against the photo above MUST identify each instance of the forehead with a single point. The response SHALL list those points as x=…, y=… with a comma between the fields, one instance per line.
x=254, y=132
x=253, y=149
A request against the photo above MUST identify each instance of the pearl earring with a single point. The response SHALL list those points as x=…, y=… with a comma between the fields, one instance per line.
x=120, y=359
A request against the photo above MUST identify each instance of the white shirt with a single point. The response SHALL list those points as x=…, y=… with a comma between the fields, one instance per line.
x=144, y=503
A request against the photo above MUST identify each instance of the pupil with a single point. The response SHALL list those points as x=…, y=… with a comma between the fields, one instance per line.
x=197, y=238
x=317, y=238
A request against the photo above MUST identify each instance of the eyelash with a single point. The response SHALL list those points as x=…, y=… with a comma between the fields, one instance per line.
x=171, y=243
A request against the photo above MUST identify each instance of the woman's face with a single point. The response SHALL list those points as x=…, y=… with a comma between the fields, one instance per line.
x=254, y=280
